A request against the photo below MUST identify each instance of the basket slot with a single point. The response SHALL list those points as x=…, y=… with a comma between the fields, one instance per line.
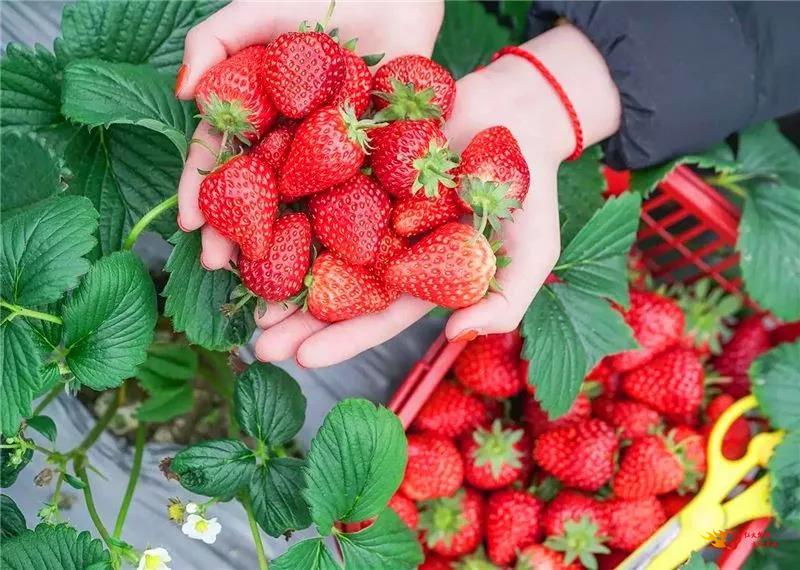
x=663, y=223
x=695, y=257
x=663, y=247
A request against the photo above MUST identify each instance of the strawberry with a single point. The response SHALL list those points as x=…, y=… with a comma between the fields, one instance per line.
x=612, y=560
x=304, y=70
x=630, y=419
x=671, y=383
x=604, y=375
x=493, y=177
x=435, y=562
x=707, y=308
x=240, y=200
x=787, y=332
x=274, y=147
x=580, y=540
x=233, y=95
x=412, y=156
x=450, y=411
x=476, y=561
x=280, y=275
x=737, y=438
x=657, y=322
x=513, y=522
x=413, y=87
x=750, y=339
x=581, y=454
x=416, y=215
x=327, y=149
x=539, y=422
x=351, y=218
x=339, y=291
x=573, y=506
x=355, y=89
x=453, y=526
x=540, y=557
x=488, y=365
x=434, y=468
x=406, y=509
x=452, y=266
x=673, y=503
x=631, y=522
x=390, y=246
x=649, y=466
x=494, y=457
x=691, y=446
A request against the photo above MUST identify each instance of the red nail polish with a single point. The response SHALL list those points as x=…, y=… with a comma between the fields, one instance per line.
x=465, y=336
x=179, y=79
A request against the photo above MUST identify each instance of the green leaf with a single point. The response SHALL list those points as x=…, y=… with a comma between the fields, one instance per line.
x=566, y=333
x=718, y=158
x=20, y=365
x=12, y=521
x=44, y=425
x=355, y=464
x=9, y=471
x=276, y=492
x=218, y=468
x=387, y=544
x=109, y=320
x=764, y=151
x=580, y=191
x=775, y=377
x=468, y=19
x=784, y=470
x=53, y=547
x=98, y=93
x=696, y=562
x=595, y=261
x=194, y=297
x=768, y=238
x=308, y=554
x=29, y=173
x=166, y=404
x=269, y=404
x=168, y=365
x=43, y=249
x=516, y=12
x=74, y=482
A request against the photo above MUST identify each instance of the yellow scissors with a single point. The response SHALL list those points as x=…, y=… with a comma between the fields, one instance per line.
x=694, y=526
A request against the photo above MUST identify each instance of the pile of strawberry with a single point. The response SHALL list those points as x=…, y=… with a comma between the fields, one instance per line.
x=493, y=482
x=338, y=185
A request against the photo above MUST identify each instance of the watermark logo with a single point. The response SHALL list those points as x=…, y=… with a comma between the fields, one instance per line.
x=730, y=539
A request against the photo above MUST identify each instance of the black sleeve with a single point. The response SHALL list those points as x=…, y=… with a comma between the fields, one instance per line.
x=689, y=73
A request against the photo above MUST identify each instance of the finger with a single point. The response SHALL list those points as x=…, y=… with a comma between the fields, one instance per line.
x=274, y=313
x=200, y=157
x=216, y=251
x=282, y=340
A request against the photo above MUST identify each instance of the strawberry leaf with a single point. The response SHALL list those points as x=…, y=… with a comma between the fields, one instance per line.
x=217, y=468
x=775, y=377
x=12, y=521
x=30, y=172
x=311, y=554
x=580, y=191
x=167, y=376
x=784, y=470
x=276, y=492
x=764, y=151
x=20, y=367
x=44, y=425
x=387, y=544
x=56, y=546
x=166, y=404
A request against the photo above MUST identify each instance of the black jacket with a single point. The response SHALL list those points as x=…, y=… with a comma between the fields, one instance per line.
x=689, y=73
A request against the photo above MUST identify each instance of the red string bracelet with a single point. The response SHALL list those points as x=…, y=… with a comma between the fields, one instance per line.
x=562, y=95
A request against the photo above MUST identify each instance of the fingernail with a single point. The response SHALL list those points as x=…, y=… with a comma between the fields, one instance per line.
x=203, y=263
x=180, y=224
x=180, y=78
x=465, y=336
x=296, y=361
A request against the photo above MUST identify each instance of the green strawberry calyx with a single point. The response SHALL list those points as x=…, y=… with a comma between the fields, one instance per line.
x=434, y=169
x=405, y=102
x=707, y=308
x=476, y=561
x=488, y=200
x=691, y=474
x=497, y=448
x=580, y=540
x=357, y=128
x=442, y=519
x=231, y=118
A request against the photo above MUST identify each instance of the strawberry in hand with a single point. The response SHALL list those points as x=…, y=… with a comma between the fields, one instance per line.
x=413, y=87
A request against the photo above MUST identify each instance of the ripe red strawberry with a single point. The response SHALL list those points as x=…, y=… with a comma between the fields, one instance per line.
x=274, y=147
x=513, y=522
x=431, y=93
x=233, y=96
x=673, y=503
x=574, y=506
x=327, y=149
x=434, y=468
x=240, y=200
x=494, y=457
x=488, y=365
x=581, y=455
x=691, y=446
x=671, y=383
x=304, y=70
x=416, y=215
x=280, y=275
x=538, y=421
x=411, y=157
x=351, y=218
x=657, y=324
x=390, y=246
x=452, y=266
x=493, y=176
x=339, y=291
x=737, y=438
x=539, y=557
x=606, y=376
x=787, y=332
x=649, y=466
x=406, y=509
x=612, y=560
x=450, y=411
x=453, y=526
x=707, y=309
x=750, y=339
x=630, y=419
x=633, y=521
x=476, y=561
x=357, y=83
x=435, y=562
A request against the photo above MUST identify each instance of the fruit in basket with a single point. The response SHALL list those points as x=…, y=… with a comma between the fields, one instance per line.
x=351, y=218
x=357, y=83
x=450, y=411
x=415, y=215
x=631, y=522
x=513, y=521
x=453, y=526
x=670, y=383
x=338, y=290
x=692, y=447
x=489, y=365
x=673, y=503
x=574, y=506
x=495, y=457
x=751, y=338
x=274, y=147
x=540, y=557
x=631, y=419
x=605, y=376
x=233, y=96
x=539, y=422
x=239, y=199
x=435, y=562
x=580, y=455
x=413, y=87
x=434, y=468
x=453, y=266
x=707, y=310
x=280, y=275
x=649, y=466
x=406, y=509
x=737, y=438
x=304, y=70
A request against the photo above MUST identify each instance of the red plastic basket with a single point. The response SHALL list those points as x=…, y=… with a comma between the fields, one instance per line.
x=688, y=231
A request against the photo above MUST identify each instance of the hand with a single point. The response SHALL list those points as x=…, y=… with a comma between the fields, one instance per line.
x=509, y=92
x=391, y=28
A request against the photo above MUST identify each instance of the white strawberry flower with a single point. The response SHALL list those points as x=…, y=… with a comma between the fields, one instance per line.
x=154, y=559
x=198, y=528
x=192, y=508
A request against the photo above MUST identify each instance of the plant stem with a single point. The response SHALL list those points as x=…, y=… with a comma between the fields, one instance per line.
x=248, y=508
x=147, y=219
x=97, y=429
x=136, y=468
x=17, y=311
x=80, y=470
x=48, y=399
